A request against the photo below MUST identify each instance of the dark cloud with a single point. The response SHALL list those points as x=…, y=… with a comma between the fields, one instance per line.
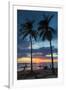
x=41, y=52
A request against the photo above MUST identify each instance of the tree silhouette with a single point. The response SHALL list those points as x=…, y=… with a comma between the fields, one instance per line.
x=27, y=31
x=46, y=32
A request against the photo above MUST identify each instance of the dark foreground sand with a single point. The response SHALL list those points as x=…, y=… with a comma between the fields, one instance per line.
x=37, y=74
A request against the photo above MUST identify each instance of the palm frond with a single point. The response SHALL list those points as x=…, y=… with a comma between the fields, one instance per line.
x=41, y=23
x=50, y=18
x=27, y=30
x=22, y=32
x=25, y=35
x=40, y=28
x=45, y=16
x=34, y=34
x=48, y=35
x=43, y=37
x=42, y=33
x=52, y=29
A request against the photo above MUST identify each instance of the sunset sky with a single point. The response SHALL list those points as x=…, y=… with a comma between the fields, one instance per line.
x=41, y=49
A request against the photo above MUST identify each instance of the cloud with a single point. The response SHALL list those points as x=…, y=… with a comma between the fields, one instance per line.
x=43, y=44
x=54, y=55
x=41, y=52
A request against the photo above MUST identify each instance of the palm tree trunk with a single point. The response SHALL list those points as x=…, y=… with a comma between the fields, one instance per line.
x=31, y=54
x=52, y=57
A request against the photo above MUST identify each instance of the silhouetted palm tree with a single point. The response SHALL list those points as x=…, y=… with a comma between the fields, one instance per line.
x=27, y=31
x=46, y=32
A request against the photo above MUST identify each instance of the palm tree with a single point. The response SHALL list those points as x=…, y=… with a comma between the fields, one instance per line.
x=27, y=31
x=46, y=32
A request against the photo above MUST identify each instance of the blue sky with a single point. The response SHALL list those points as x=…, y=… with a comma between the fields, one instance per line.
x=24, y=45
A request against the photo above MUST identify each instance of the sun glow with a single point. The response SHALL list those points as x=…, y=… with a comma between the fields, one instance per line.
x=34, y=60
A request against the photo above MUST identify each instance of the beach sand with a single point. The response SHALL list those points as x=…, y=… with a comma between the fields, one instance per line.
x=37, y=74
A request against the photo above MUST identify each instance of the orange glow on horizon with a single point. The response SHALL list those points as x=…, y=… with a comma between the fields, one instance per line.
x=34, y=60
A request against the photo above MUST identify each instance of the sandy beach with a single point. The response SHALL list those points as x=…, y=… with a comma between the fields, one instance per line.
x=37, y=74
